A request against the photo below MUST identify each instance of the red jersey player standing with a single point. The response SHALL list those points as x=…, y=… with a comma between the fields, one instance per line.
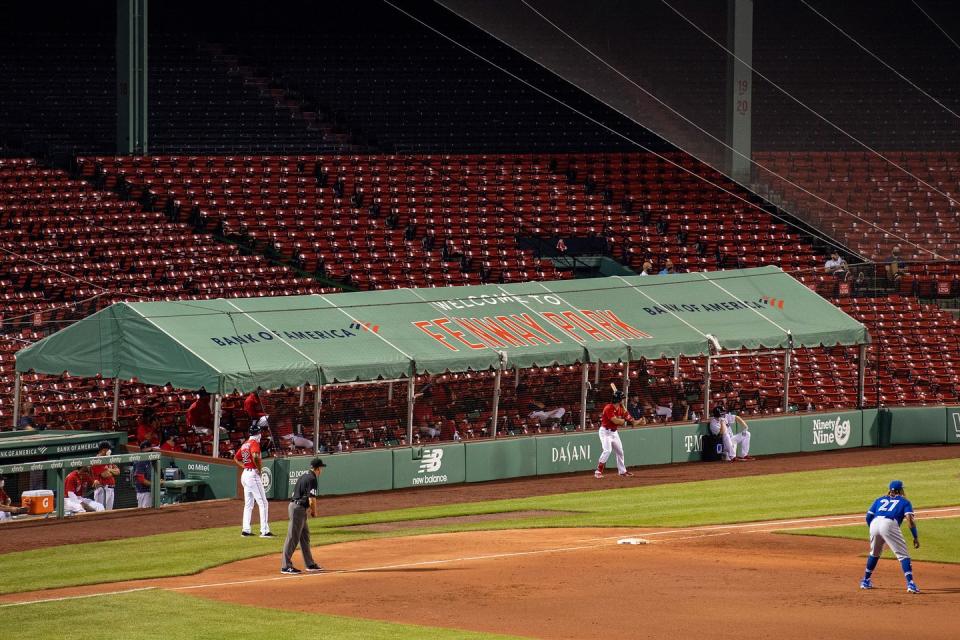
x=248, y=458
x=107, y=475
x=614, y=416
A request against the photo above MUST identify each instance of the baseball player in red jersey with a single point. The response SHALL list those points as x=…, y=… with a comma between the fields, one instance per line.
x=248, y=458
x=107, y=475
x=75, y=485
x=614, y=416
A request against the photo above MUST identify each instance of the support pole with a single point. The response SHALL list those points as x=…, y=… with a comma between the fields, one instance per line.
x=116, y=400
x=626, y=378
x=155, y=483
x=317, y=402
x=862, y=376
x=516, y=377
x=676, y=367
x=740, y=88
x=410, y=400
x=786, y=379
x=132, y=76
x=596, y=374
x=303, y=394
x=390, y=392
x=706, y=389
x=584, y=382
x=495, y=413
x=217, y=401
x=17, y=386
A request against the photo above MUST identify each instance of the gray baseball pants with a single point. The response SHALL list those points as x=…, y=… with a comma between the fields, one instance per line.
x=298, y=533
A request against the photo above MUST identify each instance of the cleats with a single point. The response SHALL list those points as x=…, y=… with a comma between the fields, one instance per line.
x=912, y=587
x=866, y=584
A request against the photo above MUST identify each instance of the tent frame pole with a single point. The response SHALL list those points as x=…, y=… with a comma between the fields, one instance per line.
x=584, y=383
x=862, y=376
x=410, y=401
x=17, y=387
x=217, y=410
x=786, y=379
x=116, y=401
x=495, y=412
x=706, y=387
x=317, y=403
x=626, y=373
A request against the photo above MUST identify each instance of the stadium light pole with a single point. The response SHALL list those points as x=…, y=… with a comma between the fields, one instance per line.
x=131, y=59
x=217, y=400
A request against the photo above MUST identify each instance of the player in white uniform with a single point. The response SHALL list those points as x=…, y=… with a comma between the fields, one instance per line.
x=721, y=423
x=248, y=458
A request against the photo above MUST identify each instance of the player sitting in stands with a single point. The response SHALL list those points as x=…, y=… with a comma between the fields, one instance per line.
x=77, y=483
x=199, y=416
x=7, y=510
x=147, y=427
x=538, y=410
x=836, y=266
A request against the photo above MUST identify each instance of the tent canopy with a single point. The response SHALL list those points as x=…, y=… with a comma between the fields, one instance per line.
x=240, y=344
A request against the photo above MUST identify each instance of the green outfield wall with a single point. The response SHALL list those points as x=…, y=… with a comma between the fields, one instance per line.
x=220, y=476
x=480, y=461
x=500, y=459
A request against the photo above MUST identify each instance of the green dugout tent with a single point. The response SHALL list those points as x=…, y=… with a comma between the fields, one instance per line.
x=241, y=344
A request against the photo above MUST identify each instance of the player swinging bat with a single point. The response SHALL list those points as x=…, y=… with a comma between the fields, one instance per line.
x=613, y=417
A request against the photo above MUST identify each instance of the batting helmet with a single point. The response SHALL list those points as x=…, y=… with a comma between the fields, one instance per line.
x=618, y=396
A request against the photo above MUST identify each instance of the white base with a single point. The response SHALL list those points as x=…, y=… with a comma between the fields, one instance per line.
x=632, y=541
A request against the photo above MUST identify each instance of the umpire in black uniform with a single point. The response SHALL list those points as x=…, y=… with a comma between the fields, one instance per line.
x=302, y=504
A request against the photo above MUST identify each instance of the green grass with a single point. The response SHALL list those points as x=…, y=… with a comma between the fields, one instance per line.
x=152, y=614
x=938, y=539
x=789, y=495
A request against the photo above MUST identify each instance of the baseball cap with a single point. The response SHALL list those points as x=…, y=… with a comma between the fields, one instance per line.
x=317, y=462
x=896, y=485
x=146, y=444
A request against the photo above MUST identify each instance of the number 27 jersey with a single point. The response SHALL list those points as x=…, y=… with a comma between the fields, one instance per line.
x=893, y=508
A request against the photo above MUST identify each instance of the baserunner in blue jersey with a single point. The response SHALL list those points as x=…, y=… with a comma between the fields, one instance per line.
x=884, y=518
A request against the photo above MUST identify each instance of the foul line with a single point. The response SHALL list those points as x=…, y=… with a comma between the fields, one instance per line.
x=89, y=595
x=775, y=525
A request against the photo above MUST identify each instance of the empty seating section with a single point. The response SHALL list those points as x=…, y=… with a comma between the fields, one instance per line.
x=365, y=218
x=894, y=208
x=69, y=249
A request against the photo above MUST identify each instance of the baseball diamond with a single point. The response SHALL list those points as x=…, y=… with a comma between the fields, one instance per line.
x=335, y=318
